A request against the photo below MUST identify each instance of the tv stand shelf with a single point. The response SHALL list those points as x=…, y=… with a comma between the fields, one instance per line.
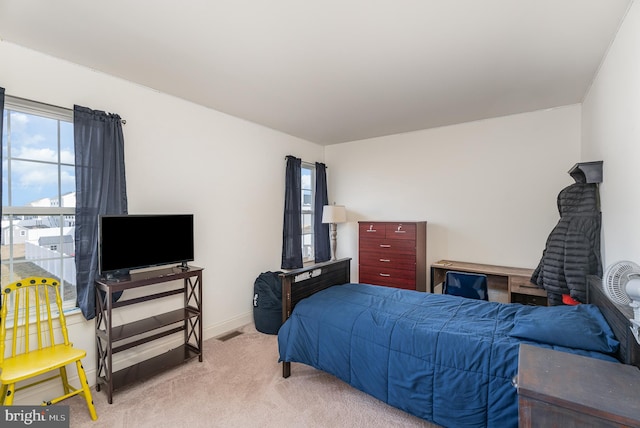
x=111, y=339
x=152, y=366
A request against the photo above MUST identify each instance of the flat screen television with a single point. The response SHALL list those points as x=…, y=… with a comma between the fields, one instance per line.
x=127, y=242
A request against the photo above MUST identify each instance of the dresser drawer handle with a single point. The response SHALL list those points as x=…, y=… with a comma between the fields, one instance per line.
x=400, y=231
x=385, y=246
x=385, y=274
x=385, y=260
x=371, y=230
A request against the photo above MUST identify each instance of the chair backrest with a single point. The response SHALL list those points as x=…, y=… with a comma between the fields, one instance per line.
x=33, y=323
x=464, y=284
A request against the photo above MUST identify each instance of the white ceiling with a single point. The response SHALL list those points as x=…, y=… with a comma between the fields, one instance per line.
x=331, y=71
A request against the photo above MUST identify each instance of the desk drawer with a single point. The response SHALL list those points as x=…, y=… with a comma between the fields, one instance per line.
x=528, y=299
x=523, y=285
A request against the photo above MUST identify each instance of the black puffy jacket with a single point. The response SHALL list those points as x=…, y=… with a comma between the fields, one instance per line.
x=572, y=250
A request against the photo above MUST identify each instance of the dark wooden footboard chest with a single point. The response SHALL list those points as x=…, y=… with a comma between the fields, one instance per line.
x=559, y=389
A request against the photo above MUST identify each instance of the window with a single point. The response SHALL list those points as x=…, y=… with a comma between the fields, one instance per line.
x=38, y=194
x=308, y=176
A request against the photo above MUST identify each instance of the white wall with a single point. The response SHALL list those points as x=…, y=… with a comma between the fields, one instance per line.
x=487, y=189
x=611, y=132
x=182, y=158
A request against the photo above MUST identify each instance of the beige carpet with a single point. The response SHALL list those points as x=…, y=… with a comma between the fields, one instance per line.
x=240, y=384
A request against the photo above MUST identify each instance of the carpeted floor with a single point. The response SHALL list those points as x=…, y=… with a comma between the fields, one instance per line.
x=240, y=384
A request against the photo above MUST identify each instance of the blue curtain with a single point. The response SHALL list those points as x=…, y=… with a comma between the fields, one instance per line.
x=292, y=229
x=322, y=247
x=100, y=189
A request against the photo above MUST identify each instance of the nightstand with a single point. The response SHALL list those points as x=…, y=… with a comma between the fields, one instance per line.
x=559, y=389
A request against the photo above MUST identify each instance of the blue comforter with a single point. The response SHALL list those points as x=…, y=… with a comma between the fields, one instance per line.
x=446, y=359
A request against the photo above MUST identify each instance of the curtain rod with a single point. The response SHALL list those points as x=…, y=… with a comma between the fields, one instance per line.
x=36, y=103
x=304, y=161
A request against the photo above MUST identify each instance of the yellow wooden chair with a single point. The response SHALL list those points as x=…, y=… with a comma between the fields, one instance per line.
x=33, y=321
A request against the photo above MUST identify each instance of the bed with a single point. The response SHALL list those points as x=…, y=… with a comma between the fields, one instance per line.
x=446, y=359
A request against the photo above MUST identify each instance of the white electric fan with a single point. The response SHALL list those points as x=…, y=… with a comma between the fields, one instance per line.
x=621, y=284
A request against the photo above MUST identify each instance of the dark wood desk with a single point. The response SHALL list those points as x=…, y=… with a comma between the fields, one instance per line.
x=566, y=390
x=506, y=284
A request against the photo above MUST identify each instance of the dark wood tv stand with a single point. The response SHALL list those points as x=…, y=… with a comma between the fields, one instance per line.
x=111, y=339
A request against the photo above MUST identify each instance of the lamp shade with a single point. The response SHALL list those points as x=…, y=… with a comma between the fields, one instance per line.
x=334, y=214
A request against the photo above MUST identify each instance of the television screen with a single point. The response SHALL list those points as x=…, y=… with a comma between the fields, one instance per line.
x=138, y=241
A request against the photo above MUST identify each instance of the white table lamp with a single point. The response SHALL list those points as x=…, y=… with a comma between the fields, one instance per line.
x=334, y=214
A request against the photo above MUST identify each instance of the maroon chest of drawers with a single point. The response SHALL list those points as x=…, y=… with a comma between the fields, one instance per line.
x=393, y=254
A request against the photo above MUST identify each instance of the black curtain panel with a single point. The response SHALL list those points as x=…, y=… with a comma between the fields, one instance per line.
x=322, y=247
x=292, y=229
x=100, y=189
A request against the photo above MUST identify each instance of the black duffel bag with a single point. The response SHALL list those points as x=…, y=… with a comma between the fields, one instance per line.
x=267, y=302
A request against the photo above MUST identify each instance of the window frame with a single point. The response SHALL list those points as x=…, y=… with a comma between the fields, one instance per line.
x=63, y=214
x=310, y=212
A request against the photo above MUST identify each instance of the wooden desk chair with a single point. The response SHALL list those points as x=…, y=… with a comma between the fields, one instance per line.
x=33, y=321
